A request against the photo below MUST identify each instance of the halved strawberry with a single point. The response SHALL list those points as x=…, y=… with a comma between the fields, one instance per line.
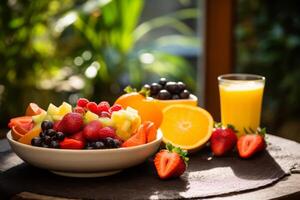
x=69, y=143
x=78, y=136
x=170, y=162
x=250, y=144
x=138, y=138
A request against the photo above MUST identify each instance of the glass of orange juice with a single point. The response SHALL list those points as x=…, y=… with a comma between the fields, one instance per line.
x=241, y=100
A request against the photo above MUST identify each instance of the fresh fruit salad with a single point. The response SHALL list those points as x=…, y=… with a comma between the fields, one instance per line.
x=86, y=126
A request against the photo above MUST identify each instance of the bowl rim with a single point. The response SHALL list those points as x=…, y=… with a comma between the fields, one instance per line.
x=121, y=149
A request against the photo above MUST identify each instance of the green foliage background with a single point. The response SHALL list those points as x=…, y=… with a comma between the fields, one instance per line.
x=47, y=46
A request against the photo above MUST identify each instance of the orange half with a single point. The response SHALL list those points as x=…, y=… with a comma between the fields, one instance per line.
x=186, y=126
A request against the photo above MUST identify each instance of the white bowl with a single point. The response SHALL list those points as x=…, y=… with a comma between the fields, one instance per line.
x=85, y=163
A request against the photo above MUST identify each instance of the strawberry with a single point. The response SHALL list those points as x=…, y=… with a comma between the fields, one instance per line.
x=92, y=106
x=223, y=140
x=115, y=107
x=250, y=144
x=103, y=106
x=56, y=126
x=138, y=138
x=69, y=143
x=71, y=123
x=78, y=136
x=170, y=162
x=106, y=132
x=79, y=110
x=90, y=131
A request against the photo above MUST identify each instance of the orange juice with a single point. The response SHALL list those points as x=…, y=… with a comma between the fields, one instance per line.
x=241, y=100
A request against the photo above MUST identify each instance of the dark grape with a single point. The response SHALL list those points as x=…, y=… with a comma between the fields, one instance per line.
x=172, y=87
x=185, y=94
x=46, y=125
x=155, y=88
x=162, y=81
x=164, y=95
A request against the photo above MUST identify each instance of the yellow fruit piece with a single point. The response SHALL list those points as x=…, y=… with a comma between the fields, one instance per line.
x=188, y=127
x=64, y=108
x=105, y=121
x=35, y=131
x=52, y=109
x=90, y=116
x=39, y=118
x=126, y=122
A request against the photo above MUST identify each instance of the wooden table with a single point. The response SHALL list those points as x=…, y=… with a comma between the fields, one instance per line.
x=286, y=188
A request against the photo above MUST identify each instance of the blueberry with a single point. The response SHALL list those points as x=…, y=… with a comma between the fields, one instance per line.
x=185, y=94
x=110, y=143
x=45, y=145
x=99, y=145
x=175, y=96
x=172, y=87
x=46, y=125
x=162, y=81
x=50, y=132
x=91, y=144
x=146, y=86
x=181, y=86
x=43, y=134
x=155, y=88
x=60, y=136
x=36, y=141
x=117, y=143
x=164, y=95
x=54, y=144
x=47, y=139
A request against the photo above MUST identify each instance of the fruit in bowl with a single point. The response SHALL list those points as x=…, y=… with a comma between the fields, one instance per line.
x=89, y=127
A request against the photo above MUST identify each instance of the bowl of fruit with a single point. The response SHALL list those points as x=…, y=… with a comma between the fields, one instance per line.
x=88, y=140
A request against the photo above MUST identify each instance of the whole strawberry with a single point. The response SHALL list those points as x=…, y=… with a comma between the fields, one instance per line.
x=71, y=123
x=170, y=162
x=223, y=140
x=91, y=130
x=251, y=143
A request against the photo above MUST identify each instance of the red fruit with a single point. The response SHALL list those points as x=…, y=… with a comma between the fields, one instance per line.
x=248, y=145
x=92, y=106
x=79, y=110
x=91, y=130
x=71, y=123
x=81, y=102
x=105, y=114
x=222, y=140
x=103, y=106
x=106, y=132
x=69, y=143
x=56, y=126
x=115, y=107
x=137, y=139
x=170, y=163
x=78, y=136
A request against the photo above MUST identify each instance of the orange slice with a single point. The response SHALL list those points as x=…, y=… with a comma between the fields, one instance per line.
x=188, y=127
x=35, y=131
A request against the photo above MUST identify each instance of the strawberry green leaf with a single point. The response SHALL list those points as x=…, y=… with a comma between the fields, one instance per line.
x=179, y=151
x=262, y=131
x=232, y=127
x=217, y=125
